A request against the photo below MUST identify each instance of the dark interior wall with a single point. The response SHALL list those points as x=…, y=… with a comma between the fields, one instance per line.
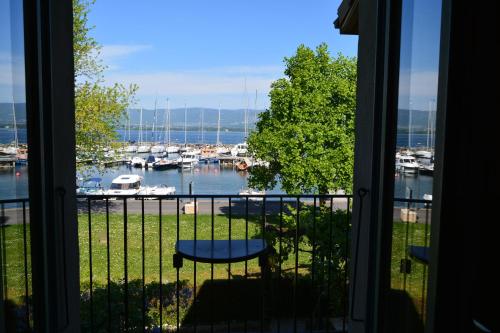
x=464, y=244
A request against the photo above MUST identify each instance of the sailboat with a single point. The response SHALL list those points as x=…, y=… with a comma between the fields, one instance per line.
x=131, y=148
x=171, y=149
x=12, y=150
x=142, y=147
x=157, y=148
x=221, y=150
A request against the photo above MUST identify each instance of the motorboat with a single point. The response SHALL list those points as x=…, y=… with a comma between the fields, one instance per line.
x=90, y=186
x=221, y=150
x=164, y=164
x=427, y=196
x=241, y=149
x=407, y=164
x=125, y=185
x=424, y=154
x=138, y=162
x=251, y=193
x=150, y=161
x=426, y=169
x=187, y=160
x=157, y=190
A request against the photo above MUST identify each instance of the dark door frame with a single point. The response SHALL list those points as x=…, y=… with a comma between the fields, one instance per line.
x=48, y=29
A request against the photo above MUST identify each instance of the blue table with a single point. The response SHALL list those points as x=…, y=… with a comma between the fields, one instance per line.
x=220, y=251
x=420, y=253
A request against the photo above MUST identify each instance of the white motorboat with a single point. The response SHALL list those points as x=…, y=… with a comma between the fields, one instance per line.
x=150, y=161
x=137, y=162
x=125, y=185
x=251, y=194
x=424, y=154
x=240, y=149
x=157, y=149
x=407, y=164
x=427, y=196
x=187, y=160
x=221, y=150
x=90, y=186
x=157, y=190
x=165, y=164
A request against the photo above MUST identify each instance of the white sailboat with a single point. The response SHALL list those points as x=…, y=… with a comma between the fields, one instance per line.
x=12, y=150
x=142, y=147
x=131, y=148
x=157, y=148
x=171, y=149
x=220, y=150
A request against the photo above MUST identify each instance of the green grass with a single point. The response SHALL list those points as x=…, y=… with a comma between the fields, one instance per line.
x=12, y=237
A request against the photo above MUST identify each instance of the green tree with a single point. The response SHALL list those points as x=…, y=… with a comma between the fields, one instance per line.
x=307, y=134
x=99, y=108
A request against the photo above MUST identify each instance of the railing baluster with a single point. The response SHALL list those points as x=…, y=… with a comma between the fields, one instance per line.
x=108, y=265
x=3, y=255
x=160, y=259
x=143, y=308
x=345, y=291
x=89, y=212
x=177, y=268
x=329, y=269
x=195, y=307
x=125, y=261
x=26, y=281
x=296, y=276
x=313, y=291
x=245, y=324
x=262, y=277
x=212, y=272
x=280, y=239
x=229, y=273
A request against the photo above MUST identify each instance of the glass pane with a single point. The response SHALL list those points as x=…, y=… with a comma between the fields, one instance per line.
x=418, y=78
x=15, y=260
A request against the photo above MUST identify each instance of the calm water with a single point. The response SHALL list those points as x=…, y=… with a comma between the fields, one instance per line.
x=7, y=136
x=206, y=179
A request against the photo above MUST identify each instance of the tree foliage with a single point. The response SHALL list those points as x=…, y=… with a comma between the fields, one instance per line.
x=99, y=108
x=307, y=134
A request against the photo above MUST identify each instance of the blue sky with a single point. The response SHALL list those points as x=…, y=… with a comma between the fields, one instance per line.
x=201, y=52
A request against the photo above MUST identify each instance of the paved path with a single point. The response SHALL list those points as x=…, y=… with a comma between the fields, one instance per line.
x=169, y=207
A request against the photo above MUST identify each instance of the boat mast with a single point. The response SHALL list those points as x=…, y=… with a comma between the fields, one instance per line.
x=202, y=125
x=16, y=141
x=140, y=128
x=185, y=124
x=218, y=127
x=255, y=109
x=429, y=125
x=168, y=120
x=154, y=123
x=246, y=110
x=409, y=125
x=128, y=116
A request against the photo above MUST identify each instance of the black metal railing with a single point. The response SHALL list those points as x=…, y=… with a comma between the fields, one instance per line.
x=15, y=263
x=299, y=283
x=130, y=281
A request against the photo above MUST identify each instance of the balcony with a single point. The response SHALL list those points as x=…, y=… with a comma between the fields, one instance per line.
x=131, y=278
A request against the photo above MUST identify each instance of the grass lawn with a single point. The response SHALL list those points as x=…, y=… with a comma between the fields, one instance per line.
x=12, y=237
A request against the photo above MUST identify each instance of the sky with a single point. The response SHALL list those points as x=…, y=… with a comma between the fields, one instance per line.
x=201, y=53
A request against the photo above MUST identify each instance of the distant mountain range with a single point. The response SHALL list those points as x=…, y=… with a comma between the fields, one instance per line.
x=231, y=119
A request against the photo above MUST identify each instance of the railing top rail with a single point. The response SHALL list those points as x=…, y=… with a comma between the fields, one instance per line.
x=18, y=200
x=221, y=196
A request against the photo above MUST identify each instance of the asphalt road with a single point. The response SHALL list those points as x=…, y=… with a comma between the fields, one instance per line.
x=169, y=207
